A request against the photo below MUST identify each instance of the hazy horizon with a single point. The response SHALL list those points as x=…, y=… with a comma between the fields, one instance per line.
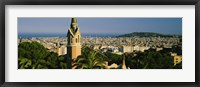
x=100, y=25
x=104, y=33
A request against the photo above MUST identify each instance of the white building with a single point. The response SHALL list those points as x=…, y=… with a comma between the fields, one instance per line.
x=142, y=49
x=127, y=49
x=136, y=48
x=62, y=50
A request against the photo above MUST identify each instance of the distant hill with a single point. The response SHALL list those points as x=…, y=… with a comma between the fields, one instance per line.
x=147, y=34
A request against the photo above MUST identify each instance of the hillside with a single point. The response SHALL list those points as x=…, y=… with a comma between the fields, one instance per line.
x=146, y=34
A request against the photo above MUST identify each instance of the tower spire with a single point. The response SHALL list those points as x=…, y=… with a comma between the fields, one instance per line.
x=74, y=25
x=74, y=20
x=73, y=40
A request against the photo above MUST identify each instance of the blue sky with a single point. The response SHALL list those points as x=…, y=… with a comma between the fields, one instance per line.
x=101, y=25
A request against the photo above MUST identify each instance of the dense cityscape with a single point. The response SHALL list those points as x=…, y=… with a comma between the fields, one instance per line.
x=136, y=50
x=115, y=45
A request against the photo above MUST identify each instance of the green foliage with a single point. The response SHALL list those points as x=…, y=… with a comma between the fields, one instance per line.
x=34, y=56
x=24, y=63
x=142, y=60
x=150, y=60
x=113, y=58
x=89, y=60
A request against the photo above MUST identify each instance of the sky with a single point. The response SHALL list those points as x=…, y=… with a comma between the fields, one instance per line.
x=100, y=25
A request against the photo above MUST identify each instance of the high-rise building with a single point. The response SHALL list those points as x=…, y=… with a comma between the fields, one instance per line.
x=73, y=39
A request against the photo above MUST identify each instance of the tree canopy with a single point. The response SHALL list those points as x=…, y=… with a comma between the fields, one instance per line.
x=33, y=55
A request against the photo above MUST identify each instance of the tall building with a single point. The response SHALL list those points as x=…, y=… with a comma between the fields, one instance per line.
x=74, y=39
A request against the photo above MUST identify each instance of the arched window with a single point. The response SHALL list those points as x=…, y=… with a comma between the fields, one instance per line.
x=76, y=40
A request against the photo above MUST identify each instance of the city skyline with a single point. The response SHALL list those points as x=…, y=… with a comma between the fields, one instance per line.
x=101, y=25
x=145, y=51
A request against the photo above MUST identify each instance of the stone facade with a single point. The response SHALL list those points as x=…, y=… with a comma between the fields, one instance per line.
x=74, y=39
x=62, y=50
x=177, y=58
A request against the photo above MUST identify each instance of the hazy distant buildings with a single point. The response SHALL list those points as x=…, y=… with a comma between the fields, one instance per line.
x=96, y=47
x=105, y=44
x=142, y=49
x=136, y=48
x=62, y=50
x=127, y=49
x=72, y=45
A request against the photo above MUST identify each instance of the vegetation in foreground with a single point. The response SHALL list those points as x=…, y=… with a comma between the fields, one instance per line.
x=34, y=56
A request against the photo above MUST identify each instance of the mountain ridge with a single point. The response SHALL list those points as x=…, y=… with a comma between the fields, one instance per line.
x=147, y=34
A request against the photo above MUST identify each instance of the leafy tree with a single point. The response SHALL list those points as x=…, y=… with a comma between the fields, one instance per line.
x=113, y=58
x=150, y=60
x=33, y=55
x=24, y=63
x=62, y=62
x=89, y=60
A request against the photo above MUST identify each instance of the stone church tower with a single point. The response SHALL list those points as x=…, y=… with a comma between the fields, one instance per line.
x=73, y=40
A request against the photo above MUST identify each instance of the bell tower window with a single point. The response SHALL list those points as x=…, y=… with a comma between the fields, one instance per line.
x=78, y=39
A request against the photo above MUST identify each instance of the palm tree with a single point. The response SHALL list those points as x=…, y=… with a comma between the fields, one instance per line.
x=24, y=63
x=40, y=64
x=89, y=61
